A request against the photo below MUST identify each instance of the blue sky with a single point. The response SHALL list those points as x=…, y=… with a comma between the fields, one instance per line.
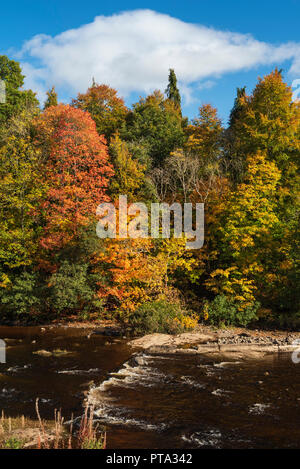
x=133, y=51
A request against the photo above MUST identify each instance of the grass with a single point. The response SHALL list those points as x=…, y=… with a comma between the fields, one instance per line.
x=23, y=433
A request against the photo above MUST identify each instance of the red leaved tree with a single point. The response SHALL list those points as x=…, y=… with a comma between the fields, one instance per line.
x=77, y=172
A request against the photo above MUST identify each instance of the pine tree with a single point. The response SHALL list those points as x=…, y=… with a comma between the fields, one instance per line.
x=172, y=91
x=238, y=105
x=234, y=158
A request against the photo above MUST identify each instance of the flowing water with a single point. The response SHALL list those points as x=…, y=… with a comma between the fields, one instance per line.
x=188, y=401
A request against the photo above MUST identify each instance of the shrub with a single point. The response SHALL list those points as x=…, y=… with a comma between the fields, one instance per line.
x=160, y=316
x=73, y=289
x=21, y=295
x=227, y=311
x=288, y=320
x=12, y=443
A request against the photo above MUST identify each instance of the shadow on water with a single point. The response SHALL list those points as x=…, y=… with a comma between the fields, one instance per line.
x=58, y=380
x=188, y=401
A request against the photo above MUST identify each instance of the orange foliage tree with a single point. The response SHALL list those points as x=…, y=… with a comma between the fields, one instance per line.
x=77, y=171
x=133, y=271
x=106, y=108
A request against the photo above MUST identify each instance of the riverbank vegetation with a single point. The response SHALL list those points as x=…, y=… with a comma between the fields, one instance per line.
x=57, y=164
x=24, y=433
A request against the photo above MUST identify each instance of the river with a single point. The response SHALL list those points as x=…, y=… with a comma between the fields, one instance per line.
x=188, y=401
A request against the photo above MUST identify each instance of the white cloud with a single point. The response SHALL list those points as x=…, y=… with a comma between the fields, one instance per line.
x=132, y=51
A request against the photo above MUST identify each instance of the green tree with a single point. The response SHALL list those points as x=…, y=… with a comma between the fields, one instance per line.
x=172, y=90
x=129, y=173
x=156, y=122
x=21, y=192
x=51, y=98
x=238, y=105
x=73, y=289
x=22, y=294
x=16, y=98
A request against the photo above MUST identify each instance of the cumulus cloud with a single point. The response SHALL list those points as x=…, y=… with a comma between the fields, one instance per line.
x=132, y=51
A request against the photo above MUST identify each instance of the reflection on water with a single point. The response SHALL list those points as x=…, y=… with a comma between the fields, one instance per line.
x=153, y=401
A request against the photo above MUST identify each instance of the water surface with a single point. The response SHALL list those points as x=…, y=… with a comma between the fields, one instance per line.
x=188, y=401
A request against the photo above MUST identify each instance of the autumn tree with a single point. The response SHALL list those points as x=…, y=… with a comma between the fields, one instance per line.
x=105, y=106
x=267, y=120
x=244, y=235
x=21, y=193
x=204, y=133
x=204, y=144
x=134, y=271
x=77, y=171
x=51, y=98
x=271, y=123
x=129, y=172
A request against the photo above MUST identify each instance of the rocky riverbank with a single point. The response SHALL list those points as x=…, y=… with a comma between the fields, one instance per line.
x=206, y=340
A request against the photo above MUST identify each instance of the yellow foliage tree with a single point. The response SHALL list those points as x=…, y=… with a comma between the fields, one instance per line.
x=244, y=233
x=129, y=173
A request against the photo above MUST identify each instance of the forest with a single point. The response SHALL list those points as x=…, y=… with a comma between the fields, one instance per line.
x=59, y=161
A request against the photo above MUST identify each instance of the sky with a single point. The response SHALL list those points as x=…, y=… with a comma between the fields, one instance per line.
x=214, y=46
